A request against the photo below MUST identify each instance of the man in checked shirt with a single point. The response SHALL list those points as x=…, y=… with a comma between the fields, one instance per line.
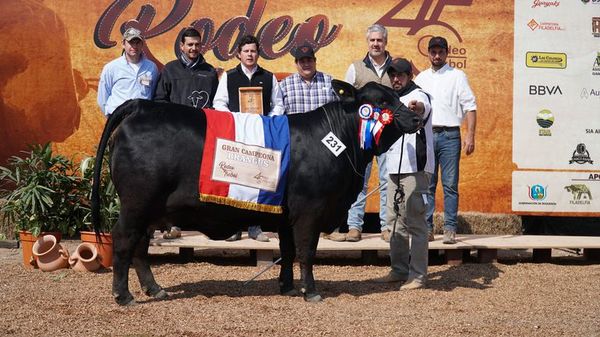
x=308, y=89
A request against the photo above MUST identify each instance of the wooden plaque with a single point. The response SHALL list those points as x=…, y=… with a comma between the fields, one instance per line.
x=251, y=100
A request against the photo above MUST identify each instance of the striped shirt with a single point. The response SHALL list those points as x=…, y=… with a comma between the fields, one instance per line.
x=298, y=96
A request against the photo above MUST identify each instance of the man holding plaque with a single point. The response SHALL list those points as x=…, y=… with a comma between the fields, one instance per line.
x=238, y=87
x=308, y=89
x=249, y=88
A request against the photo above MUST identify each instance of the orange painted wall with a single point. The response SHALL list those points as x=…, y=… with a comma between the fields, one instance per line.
x=50, y=65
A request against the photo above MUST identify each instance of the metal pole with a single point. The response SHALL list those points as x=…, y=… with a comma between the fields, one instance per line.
x=263, y=271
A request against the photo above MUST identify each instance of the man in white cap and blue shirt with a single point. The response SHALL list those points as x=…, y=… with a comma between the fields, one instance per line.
x=130, y=76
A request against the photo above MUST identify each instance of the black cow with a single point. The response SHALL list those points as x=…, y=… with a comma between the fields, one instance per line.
x=155, y=159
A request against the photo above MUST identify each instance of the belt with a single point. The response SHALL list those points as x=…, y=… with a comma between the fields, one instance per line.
x=438, y=129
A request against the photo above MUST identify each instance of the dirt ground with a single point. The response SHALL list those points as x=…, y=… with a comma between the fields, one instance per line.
x=513, y=297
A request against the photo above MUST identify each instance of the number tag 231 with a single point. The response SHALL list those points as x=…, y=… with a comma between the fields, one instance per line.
x=333, y=143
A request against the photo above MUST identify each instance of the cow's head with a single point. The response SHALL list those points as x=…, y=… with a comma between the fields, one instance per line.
x=385, y=99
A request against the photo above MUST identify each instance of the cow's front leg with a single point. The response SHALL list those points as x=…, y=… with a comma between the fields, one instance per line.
x=142, y=268
x=287, y=249
x=306, y=255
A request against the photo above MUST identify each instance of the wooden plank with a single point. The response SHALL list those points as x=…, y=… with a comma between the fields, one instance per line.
x=591, y=254
x=263, y=257
x=487, y=255
x=541, y=255
x=454, y=256
x=9, y=244
x=369, y=257
x=373, y=241
x=186, y=253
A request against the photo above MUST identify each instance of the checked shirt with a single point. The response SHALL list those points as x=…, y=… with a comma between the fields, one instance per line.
x=298, y=96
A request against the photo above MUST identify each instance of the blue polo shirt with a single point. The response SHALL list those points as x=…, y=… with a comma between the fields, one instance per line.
x=121, y=81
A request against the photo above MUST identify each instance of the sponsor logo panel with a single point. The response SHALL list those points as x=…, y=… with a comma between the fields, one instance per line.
x=549, y=60
x=545, y=120
x=544, y=25
x=544, y=4
x=589, y=93
x=544, y=90
x=556, y=191
x=581, y=155
x=596, y=66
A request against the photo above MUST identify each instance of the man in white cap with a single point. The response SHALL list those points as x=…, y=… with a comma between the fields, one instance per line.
x=130, y=76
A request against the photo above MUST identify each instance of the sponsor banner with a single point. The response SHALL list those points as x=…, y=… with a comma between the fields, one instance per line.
x=543, y=191
x=556, y=102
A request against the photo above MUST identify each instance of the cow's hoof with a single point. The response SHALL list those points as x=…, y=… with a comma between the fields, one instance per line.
x=292, y=293
x=161, y=295
x=313, y=298
x=125, y=300
x=157, y=292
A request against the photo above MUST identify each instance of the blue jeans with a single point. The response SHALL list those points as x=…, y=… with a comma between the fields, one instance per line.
x=447, y=147
x=357, y=210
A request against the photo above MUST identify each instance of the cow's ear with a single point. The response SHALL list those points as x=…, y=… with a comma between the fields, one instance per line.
x=345, y=91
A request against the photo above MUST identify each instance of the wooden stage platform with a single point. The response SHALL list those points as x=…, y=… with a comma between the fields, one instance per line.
x=486, y=246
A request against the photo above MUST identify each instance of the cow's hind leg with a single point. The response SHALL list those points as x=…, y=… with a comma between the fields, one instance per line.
x=288, y=255
x=142, y=269
x=125, y=239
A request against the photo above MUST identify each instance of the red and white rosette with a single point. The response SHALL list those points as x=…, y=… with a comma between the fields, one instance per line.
x=386, y=116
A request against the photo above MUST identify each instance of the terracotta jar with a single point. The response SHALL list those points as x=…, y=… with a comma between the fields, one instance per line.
x=103, y=246
x=50, y=254
x=85, y=258
x=27, y=241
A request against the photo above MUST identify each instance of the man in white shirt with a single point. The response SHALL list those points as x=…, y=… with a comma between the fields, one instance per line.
x=410, y=164
x=130, y=76
x=372, y=68
x=452, y=100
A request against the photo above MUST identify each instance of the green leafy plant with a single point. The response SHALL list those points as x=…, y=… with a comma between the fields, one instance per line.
x=43, y=192
x=110, y=204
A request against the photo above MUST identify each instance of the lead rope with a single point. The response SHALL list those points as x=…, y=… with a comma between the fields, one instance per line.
x=399, y=194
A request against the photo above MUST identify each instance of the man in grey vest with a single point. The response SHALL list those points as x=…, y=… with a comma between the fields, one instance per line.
x=373, y=68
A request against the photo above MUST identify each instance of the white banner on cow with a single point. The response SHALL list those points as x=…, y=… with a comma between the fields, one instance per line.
x=543, y=191
x=248, y=165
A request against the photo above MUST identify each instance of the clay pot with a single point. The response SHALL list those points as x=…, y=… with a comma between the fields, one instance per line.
x=50, y=254
x=27, y=242
x=103, y=246
x=85, y=258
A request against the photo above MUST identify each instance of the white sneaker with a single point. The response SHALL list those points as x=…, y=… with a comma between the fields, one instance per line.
x=449, y=237
x=413, y=284
x=174, y=233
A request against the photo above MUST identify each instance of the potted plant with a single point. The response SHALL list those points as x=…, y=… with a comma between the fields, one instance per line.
x=44, y=193
x=110, y=207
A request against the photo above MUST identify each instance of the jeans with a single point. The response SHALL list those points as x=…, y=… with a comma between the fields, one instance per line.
x=409, y=261
x=357, y=210
x=447, y=147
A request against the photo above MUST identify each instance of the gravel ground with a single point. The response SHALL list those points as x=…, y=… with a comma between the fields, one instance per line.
x=513, y=297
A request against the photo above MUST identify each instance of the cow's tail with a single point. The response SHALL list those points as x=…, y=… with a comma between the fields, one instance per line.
x=111, y=124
